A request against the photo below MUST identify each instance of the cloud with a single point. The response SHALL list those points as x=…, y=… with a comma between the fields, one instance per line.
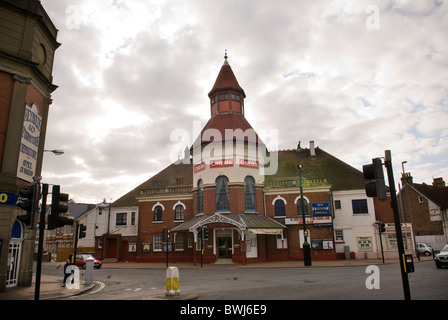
x=132, y=72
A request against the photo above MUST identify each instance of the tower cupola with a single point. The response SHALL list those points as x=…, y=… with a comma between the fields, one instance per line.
x=226, y=96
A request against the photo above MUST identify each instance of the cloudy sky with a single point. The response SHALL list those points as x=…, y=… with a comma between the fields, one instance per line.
x=357, y=77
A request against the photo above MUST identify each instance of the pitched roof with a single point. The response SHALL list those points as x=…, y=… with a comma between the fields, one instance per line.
x=165, y=178
x=437, y=195
x=323, y=166
x=226, y=80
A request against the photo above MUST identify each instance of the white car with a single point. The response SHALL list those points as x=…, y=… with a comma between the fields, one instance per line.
x=424, y=249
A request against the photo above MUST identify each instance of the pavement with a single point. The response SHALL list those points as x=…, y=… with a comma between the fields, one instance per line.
x=51, y=286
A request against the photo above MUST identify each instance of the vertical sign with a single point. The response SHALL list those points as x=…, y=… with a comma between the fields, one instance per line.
x=29, y=144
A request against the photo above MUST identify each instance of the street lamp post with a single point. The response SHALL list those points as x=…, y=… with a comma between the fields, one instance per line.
x=306, y=245
x=56, y=152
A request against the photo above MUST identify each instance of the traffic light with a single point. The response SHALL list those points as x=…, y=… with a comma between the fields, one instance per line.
x=205, y=231
x=54, y=219
x=82, y=231
x=374, y=172
x=381, y=226
x=28, y=202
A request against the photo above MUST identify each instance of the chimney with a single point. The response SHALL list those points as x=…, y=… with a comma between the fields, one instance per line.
x=406, y=178
x=312, y=149
x=438, y=182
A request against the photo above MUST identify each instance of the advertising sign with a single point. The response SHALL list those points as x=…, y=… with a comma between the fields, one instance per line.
x=199, y=167
x=248, y=163
x=29, y=144
x=221, y=163
x=11, y=199
x=324, y=220
x=320, y=208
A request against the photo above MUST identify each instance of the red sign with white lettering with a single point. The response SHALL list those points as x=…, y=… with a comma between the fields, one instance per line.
x=199, y=167
x=248, y=163
x=221, y=163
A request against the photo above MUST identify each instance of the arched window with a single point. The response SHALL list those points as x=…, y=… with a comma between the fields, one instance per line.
x=249, y=194
x=279, y=207
x=158, y=212
x=299, y=206
x=200, y=197
x=222, y=202
x=179, y=212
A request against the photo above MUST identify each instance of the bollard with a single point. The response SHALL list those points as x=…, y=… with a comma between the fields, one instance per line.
x=172, y=281
x=89, y=270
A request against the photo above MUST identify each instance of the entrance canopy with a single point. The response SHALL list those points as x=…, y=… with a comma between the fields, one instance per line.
x=253, y=223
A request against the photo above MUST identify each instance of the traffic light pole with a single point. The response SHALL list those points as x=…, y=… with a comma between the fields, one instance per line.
x=41, y=240
x=76, y=243
x=394, y=204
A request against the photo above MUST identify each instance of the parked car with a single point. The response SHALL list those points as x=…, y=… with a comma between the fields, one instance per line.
x=441, y=259
x=424, y=249
x=81, y=261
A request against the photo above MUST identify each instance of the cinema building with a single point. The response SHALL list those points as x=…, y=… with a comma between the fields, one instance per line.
x=246, y=198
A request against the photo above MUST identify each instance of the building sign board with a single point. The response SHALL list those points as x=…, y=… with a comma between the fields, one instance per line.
x=11, y=199
x=199, y=167
x=320, y=208
x=248, y=163
x=319, y=220
x=29, y=144
x=221, y=163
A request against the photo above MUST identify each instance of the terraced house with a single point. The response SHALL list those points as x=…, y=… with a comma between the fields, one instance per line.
x=230, y=199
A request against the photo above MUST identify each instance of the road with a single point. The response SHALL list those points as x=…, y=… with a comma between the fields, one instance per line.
x=230, y=283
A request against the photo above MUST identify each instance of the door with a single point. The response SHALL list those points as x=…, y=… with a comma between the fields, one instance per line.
x=111, y=248
x=225, y=248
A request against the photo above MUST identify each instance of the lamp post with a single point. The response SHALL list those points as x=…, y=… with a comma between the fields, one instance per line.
x=56, y=152
x=306, y=245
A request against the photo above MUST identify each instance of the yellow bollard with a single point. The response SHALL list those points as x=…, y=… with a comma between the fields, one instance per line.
x=172, y=282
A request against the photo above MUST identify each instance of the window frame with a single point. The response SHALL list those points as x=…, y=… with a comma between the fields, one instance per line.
x=282, y=206
x=121, y=219
x=222, y=198
x=179, y=212
x=360, y=205
x=250, y=194
x=156, y=213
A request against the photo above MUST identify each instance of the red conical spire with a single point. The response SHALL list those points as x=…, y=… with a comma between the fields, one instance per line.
x=226, y=96
x=226, y=80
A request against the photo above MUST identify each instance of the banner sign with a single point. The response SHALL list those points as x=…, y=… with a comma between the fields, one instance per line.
x=248, y=163
x=221, y=163
x=11, y=199
x=323, y=220
x=320, y=208
x=199, y=167
x=29, y=144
